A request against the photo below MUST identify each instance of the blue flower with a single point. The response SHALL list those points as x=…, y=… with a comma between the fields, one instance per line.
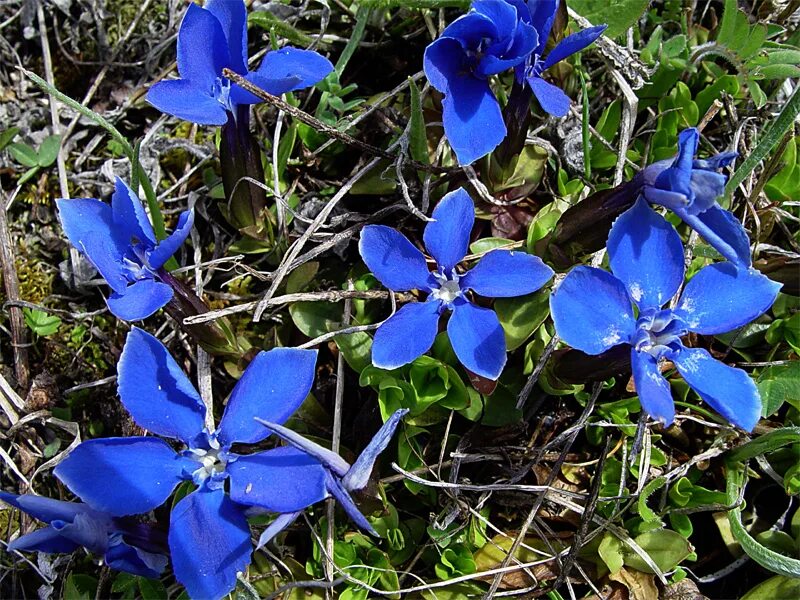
x=592, y=310
x=690, y=188
x=120, y=242
x=315, y=473
x=494, y=36
x=542, y=13
x=125, y=546
x=213, y=38
x=209, y=537
x=475, y=332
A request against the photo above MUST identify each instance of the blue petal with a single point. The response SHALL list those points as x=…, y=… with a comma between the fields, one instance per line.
x=328, y=458
x=447, y=236
x=707, y=186
x=85, y=531
x=280, y=523
x=731, y=392
x=209, y=541
x=722, y=297
x=290, y=69
x=139, y=300
x=272, y=387
x=47, y=539
x=552, y=99
x=716, y=162
x=504, y=274
x=572, y=44
x=46, y=509
x=472, y=119
x=674, y=201
x=232, y=17
x=654, y=393
x=646, y=254
x=470, y=31
x=592, y=311
x=105, y=255
x=723, y=231
x=499, y=12
x=184, y=99
x=157, y=392
x=393, y=259
x=543, y=13
x=677, y=178
x=477, y=339
x=123, y=476
x=344, y=499
x=202, y=48
x=164, y=251
x=406, y=335
x=281, y=480
x=129, y=215
x=357, y=476
x=524, y=41
x=122, y=557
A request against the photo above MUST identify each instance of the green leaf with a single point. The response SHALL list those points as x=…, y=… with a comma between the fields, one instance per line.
x=266, y=20
x=618, y=14
x=775, y=587
x=521, y=316
x=489, y=243
x=418, y=137
x=611, y=552
x=152, y=589
x=766, y=443
x=356, y=348
x=40, y=322
x=316, y=318
x=8, y=135
x=776, y=72
x=80, y=587
x=23, y=154
x=48, y=150
x=778, y=384
x=667, y=548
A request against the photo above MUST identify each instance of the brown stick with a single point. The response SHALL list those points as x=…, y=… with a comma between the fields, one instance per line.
x=19, y=336
x=311, y=121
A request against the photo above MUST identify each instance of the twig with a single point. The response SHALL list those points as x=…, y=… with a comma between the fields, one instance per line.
x=19, y=335
x=311, y=121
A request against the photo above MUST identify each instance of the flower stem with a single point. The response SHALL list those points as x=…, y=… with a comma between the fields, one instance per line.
x=517, y=117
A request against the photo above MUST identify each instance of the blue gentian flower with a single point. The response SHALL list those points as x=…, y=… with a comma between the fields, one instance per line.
x=213, y=38
x=120, y=242
x=690, y=187
x=592, y=310
x=125, y=546
x=494, y=36
x=475, y=332
x=310, y=473
x=209, y=537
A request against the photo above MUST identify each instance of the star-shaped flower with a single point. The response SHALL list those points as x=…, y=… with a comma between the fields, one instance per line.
x=124, y=545
x=213, y=38
x=119, y=241
x=209, y=537
x=475, y=332
x=593, y=311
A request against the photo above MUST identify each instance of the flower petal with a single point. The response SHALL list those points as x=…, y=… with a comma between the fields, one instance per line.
x=45, y=509
x=447, y=236
x=393, y=259
x=139, y=300
x=499, y=12
x=166, y=248
x=723, y=231
x=209, y=541
x=85, y=531
x=123, y=476
x=122, y=557
x=290, y=69
x=731, y=392
x=344, y=499
x=202, y=48
x=47, y=539
x=543, y=13
x=722, y=297
x=674, y=201
x=592, y=311
x=280, y=523
x=470, y=30
x=107, y=258
x=328, y=458
x=157, y=392
x=572, y=44
x=677, y=178
x=707, y=186
x=357, y=476
x=552, y=98
x=646, y=254
x=184, y=99
x=232, y=17
x=129, y=215
x=272, y=387
x=281, y=480
x=716, y=162
x=406, y=335
x=477, y=339
x=654, y=392
x=504, y=274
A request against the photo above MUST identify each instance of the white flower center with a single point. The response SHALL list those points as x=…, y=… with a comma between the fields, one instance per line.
x=449, y=291
x=210, y=463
